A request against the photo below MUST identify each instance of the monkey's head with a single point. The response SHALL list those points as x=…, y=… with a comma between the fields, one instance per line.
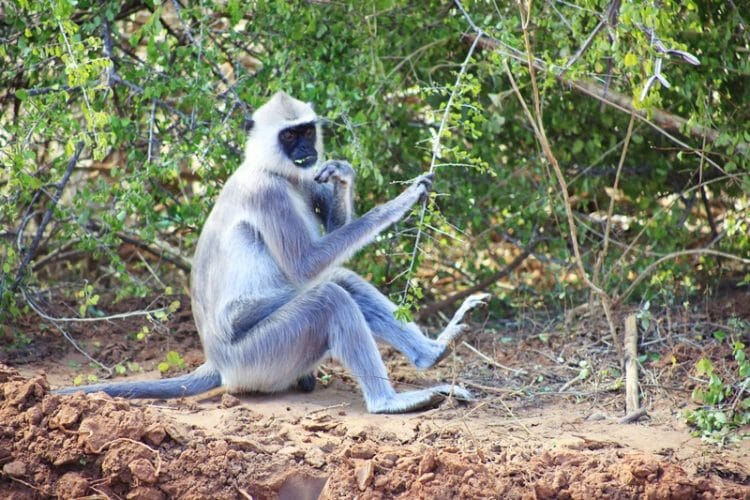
x=284, y=136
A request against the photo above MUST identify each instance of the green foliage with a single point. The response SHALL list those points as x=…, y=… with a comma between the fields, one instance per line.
x=159, y=96
x=171, y=361
x=725, y=404
x=80, y=379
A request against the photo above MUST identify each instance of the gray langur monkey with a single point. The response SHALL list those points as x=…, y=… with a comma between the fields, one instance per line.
x=270, y=297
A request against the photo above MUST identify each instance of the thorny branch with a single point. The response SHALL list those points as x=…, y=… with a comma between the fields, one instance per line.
x=436, y=147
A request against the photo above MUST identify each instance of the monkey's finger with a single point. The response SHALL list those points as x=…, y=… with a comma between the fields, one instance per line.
x=325, y=174
x=426, y=180
x=454, y=391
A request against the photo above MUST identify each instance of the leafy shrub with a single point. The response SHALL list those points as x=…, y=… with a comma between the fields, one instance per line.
x=725, y=404
x=120, y=122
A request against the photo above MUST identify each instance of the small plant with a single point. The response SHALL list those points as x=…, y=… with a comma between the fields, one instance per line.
x=725, y=404
x=90, y=300
x=18, y=340
x=81, y=379
x=142, y=333
x=122, y=369
x=172, y=360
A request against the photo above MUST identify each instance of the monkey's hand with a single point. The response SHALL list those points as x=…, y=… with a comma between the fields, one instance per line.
x=423, y=185
x=335, y=171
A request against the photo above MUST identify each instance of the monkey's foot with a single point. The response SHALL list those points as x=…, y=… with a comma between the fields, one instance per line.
x=306, y=383
x=405, y=402
x=456, y=327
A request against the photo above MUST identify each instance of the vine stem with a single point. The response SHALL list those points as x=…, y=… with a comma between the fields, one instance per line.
x=535, y=119
x=436, y=147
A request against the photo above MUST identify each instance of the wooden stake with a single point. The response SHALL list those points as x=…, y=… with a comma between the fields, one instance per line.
x=631, y=364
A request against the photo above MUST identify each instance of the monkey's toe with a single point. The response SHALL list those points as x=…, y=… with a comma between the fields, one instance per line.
x=471, y=302
x=454, y=391
x=424, y=399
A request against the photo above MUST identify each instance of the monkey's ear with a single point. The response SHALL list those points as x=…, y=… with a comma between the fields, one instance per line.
x=249, y=122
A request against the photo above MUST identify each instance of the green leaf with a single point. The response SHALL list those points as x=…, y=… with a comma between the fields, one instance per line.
x=630, y=60
x=704, y=367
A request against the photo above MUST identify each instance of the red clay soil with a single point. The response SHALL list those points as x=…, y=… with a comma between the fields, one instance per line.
x=98, y=447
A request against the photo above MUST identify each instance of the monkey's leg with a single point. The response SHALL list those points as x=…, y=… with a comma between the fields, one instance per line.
x=293, y=339
x=422, y=351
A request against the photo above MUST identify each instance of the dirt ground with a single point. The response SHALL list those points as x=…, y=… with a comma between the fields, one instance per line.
x=534, y=431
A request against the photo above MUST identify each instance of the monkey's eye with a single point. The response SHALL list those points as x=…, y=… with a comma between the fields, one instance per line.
x=309, y=132
x=286, y=136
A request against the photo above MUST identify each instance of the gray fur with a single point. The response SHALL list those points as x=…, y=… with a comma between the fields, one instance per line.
x=269, y=295
x=203, y=379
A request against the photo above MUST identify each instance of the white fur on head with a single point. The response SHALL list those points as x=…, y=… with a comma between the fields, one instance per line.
x=263, y=151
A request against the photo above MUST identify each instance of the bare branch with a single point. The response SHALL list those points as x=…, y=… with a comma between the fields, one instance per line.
x=47, y=215
x=482, y=285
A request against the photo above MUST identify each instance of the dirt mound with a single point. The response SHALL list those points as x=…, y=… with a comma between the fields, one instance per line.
x=564, y=474
x=74, y=446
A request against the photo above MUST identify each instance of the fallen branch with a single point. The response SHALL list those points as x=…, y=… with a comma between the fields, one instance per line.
x=633, y=417
x=491, y=361
x=481, y=286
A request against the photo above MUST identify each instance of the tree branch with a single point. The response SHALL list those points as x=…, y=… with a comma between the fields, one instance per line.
x=47, y=216
x=624, y=103
x=482, y=285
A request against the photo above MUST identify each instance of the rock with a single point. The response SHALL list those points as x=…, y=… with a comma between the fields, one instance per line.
x=71, y=485
x=229, y=401
x=19, y=393
x=428, y=462
x=315, y=457
x=155, y=434
x=291, y=451
x=425, y=478
x=34, y=415
x=50, y=403
x=92, y=435
x=364, y=474
x=143, y=470
x=65, y=418
x=145, y=493
x=544, y=490
x=15, y=468
x=380, y=481
x=364, y=450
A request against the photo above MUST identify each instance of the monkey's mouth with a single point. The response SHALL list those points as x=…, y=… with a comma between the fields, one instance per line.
x=306, y=161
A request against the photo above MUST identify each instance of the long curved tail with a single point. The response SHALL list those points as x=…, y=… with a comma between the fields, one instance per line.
x=204, y=378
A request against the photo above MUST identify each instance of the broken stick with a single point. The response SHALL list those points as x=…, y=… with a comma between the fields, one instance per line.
x=631, y=365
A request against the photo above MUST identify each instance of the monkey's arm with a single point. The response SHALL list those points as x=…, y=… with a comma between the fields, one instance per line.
x=334, y=194
x=303, y=258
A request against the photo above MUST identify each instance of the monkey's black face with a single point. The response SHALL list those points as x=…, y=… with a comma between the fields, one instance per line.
x=299, y=144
